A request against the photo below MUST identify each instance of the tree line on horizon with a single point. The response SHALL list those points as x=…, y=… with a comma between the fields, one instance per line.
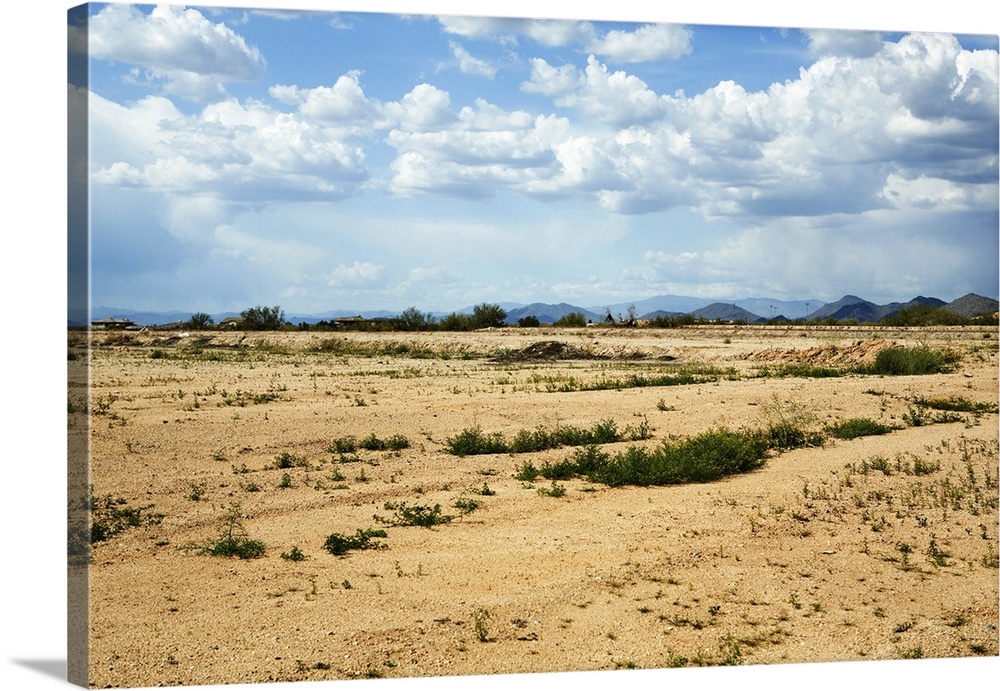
x=491, y=315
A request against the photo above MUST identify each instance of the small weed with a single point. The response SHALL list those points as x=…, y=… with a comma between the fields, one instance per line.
x=234, y=540
x=556, y=490
x=480, y=618
x=937, y=556
x=466, y=505
x=294, y=554
x=484, y=491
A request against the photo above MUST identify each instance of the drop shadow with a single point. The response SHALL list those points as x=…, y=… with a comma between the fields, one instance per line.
x=50, y=667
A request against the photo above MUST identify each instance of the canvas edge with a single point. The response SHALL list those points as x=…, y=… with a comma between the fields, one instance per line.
x=78, y=355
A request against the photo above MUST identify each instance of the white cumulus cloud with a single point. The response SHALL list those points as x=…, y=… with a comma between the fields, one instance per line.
x=648, y=42
x=468, y=64
x=193, y=56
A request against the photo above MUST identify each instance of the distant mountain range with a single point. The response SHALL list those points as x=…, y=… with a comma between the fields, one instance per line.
x=747, y=309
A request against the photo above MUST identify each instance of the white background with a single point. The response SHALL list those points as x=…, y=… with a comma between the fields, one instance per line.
x=33, y=393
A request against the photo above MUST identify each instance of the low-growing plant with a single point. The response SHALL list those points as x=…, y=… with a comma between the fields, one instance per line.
x=473, y=441
x=294, y=554
x=343, y=445
x=418, y=515
x=339, y=545
x=466, y=505
x=956, y=404
x=789, y=425
x=900, y=360
x=196, y=490
x=556, y=490
x=234, y=540
x=793, y=369
x=857, y=427
x=527, y=472
x=285, y=460
x=937, y=556
x=702, y=458
x=397, y=442
x=479, y=619
x=110, y=515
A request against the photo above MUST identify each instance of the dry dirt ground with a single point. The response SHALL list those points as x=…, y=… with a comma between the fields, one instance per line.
x=879, y=547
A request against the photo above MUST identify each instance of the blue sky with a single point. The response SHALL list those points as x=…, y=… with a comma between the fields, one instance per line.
x=359, y=160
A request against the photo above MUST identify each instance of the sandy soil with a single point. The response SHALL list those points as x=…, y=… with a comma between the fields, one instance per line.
x=817, y=556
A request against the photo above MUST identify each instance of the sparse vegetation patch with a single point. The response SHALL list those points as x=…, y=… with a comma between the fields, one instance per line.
x=339, y=545
x=472, y=441
x=857, y=427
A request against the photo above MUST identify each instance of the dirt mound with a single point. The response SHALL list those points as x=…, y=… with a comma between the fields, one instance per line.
x=548, y=350
x=858, y=353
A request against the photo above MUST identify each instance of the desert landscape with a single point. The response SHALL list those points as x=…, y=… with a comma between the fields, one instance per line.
x=290, y=506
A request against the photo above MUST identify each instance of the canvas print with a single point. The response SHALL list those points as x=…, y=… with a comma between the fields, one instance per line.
x=415, y=346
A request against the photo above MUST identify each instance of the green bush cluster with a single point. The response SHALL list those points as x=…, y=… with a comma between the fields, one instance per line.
x=473, y=441
x=350, y=444
x=339, y=545
x=900, y=360
x=234, y=541
x=703, y=458
x=957, y=404
x=573, y=319
x=857, y=427
x=419, y=515
x=110, y=515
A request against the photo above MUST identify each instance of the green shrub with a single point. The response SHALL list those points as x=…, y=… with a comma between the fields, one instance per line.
x=702, y=458
x=958, y=404
x=786, y=435
x=423, y=516
x=473, y=441
x=111, y=515
x=857, y=427
x=285, y=460
x=573, y=319
x=372, y=443
x=466, y=505
x=487, y=314
x=527, y=472
x=234, y=541
x=294, y=554
x=556, y=490
x=339, y=545
x=898, y=360
x=343, y=445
